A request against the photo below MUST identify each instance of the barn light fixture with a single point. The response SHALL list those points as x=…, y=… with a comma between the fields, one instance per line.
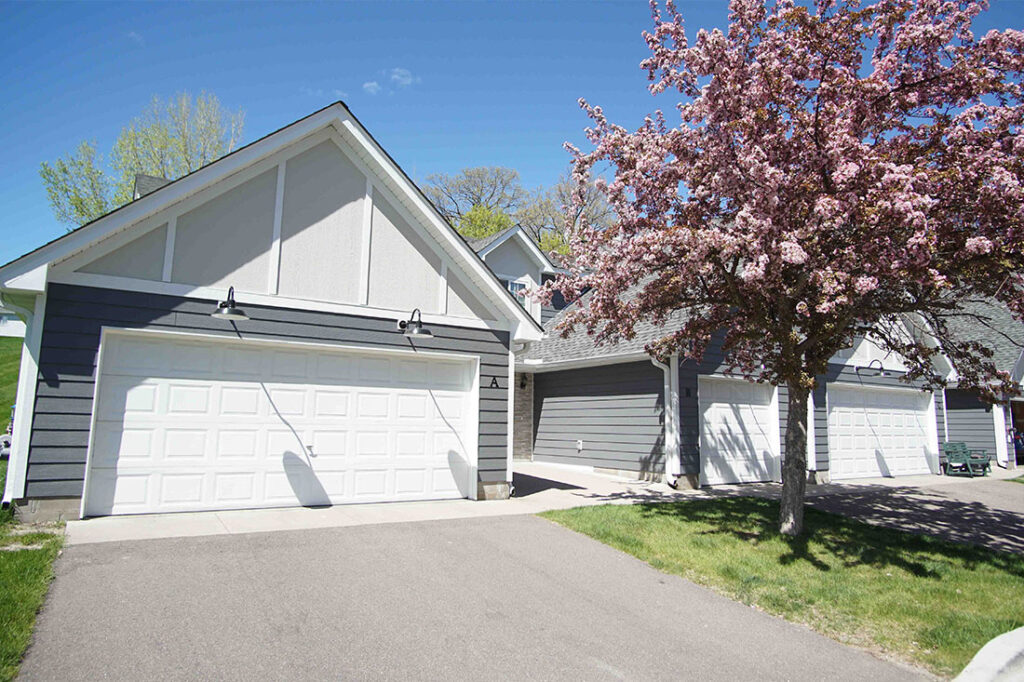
x=414, y=326
x=227, y=310
x=872, y=371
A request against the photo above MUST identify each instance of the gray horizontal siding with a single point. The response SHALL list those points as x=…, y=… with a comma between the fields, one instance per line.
x=689, y=419
x=616, y=410
x=970, y=420
x=70, y=344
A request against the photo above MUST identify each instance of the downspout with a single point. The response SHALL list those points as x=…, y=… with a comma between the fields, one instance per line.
x=671, y=403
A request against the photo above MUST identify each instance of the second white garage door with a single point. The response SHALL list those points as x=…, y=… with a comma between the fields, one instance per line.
x=184, y=425
x=880, y=432
x=739, y=431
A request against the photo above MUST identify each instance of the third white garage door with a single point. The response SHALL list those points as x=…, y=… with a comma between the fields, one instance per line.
x=880, y=432
x=189, y=424
x=739, y=431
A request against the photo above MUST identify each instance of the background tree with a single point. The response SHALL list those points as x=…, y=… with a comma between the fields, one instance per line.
x=480, y=222
x=494, y=188
x=552, y=214
x=837, y=171
x=169, y=139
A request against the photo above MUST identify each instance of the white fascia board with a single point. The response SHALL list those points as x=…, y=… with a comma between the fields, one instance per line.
x=533, y=366
x=527, y=328
x=173, y=193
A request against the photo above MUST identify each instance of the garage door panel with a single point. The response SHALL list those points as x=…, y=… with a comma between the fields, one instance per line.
x=738, y=431
x=213, y=440
x=878, y=432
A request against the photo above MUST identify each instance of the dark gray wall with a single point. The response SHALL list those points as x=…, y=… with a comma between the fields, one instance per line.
x=617, y=410
x=557, y=303
x=820, y=426
x=970, y=420
x=71, y=337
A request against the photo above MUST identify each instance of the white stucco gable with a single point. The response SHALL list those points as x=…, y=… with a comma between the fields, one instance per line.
x=315, y=215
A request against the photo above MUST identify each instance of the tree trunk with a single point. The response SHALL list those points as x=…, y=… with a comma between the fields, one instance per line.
x=794, y=465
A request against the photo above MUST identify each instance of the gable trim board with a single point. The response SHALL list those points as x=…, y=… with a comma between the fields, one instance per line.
x=22, y=274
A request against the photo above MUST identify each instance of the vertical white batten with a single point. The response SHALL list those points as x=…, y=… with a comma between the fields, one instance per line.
x=172, y=229
x=28, y=380
x=364, y=255
x=274, y=276
x=443, y=293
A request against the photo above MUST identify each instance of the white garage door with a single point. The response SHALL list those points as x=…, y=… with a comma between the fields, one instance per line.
x=879, y=432
x=739, y=431
x=186, y=425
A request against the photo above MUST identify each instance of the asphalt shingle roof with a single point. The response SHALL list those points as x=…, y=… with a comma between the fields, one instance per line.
x=996, y=328
x=992, y=324
x=579, y=345
x=479, y=245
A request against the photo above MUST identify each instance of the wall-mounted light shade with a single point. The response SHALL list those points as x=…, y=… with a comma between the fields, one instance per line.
x=413, y=327
x=227, y=310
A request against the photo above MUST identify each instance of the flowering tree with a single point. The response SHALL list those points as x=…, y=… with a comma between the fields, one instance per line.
x=837, y=171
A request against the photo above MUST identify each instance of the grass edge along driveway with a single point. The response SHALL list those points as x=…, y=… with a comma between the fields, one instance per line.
x=907, y=597
x=25, y=576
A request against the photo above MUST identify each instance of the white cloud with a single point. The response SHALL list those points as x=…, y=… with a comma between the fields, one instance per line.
x=135, y=37
x=321, y=92
x=403, y=77
x=372, y=87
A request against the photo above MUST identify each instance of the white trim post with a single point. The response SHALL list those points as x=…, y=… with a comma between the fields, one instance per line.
x=28, y=380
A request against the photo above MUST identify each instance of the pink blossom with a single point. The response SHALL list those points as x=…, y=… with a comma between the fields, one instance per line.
x=792, y=253
x=978, y=245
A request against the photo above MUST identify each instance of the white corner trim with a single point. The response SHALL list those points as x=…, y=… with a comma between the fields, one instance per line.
x=274, y=274
x=812, y=453
x=999, y=424
x=172, y=232
x=511, y=393
x=28, y=381
x=364, y=245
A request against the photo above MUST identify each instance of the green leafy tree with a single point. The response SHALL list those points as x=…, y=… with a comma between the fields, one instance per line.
x=481, y=221
x=77, y=187
x=169, y=139
x=553, y=213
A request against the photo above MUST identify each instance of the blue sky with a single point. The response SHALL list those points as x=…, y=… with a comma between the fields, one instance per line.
x=458, y=83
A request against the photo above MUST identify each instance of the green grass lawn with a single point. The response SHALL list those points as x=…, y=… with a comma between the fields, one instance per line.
x=24, y=574
x=1019, y=479
x=10, y=360
x=911, y=597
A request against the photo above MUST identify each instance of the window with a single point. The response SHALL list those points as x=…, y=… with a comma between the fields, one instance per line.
x=518, y=290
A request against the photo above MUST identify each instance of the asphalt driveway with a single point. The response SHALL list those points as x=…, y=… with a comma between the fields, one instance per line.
x=979, y=511
x=504, y=597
